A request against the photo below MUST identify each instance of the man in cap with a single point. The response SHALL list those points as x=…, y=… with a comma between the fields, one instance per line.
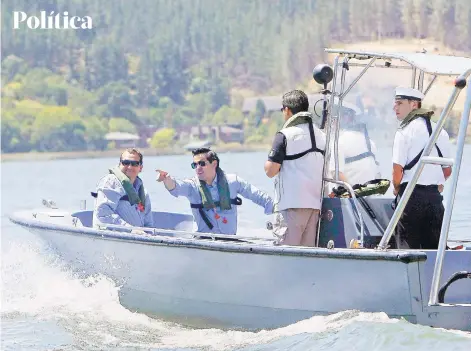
x=356, y=151
x=420, y=224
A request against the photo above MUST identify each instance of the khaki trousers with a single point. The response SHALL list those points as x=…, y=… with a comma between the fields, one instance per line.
x=296, y=226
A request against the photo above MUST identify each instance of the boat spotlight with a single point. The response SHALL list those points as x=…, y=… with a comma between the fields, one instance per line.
x=322, y=74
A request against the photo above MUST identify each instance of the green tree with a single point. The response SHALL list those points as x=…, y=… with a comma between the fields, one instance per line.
x=13, y=65
x=11, y=134
x=228, y=115
x=95, y=131
x=163, y=138
x=57, y=129
x=121, y=125
x=116, y=97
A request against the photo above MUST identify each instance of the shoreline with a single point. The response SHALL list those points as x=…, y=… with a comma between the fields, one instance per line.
x=88, y=154
x=67, y=155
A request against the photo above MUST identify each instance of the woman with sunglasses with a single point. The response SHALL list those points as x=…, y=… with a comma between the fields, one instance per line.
x=213, y=194
x=121, y=198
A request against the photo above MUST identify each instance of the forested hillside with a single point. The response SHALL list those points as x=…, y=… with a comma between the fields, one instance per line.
x=174, y=63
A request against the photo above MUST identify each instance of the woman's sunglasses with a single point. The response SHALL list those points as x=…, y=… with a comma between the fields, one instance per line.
x=130, y=163
x=201, y=163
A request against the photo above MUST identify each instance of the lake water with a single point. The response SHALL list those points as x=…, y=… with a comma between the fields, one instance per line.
x=45, y=307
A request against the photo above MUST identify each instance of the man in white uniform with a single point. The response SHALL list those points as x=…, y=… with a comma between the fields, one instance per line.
x=356, y=151
x=420, y=224
x=297, y=161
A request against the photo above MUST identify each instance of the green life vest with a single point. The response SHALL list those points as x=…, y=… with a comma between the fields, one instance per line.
x=223, y=190
x=414, y=114
x=133, y=196
x=298, y=118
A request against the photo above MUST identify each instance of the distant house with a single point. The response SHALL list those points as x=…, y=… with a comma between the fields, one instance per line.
x=229, y=134
x=123, y=140
x=202, y=133
x=212, y=134
x=197, y=144
x=147, y=131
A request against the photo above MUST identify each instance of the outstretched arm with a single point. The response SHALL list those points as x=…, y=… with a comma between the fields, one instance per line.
x=255, y=195
x=174, y=186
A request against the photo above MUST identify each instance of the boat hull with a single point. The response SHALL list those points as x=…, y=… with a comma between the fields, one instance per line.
x=246, y=285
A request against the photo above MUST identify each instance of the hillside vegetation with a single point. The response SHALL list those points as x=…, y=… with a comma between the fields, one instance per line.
x=178, y=63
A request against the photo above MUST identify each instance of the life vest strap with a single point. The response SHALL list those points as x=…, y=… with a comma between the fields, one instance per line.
x=237, y=201
x=312, y=149
x=416, y=159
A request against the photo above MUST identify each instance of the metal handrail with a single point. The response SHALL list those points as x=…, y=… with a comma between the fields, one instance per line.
x=437, y=271
x=327, y=138
x=423, y=160
x=420, y=81
x=430, y=84
x=404, y=67
x=355, y=205
x=414, y=74
x=339, y=116
x=343, y=93
x=433, y=160
x=355, y=81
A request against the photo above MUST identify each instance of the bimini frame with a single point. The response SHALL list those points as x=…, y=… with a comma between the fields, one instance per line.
x=420, y=64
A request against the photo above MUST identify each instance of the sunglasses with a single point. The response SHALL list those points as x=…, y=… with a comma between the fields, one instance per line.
x=282, y=108
x=130, y=163
x=201, y=163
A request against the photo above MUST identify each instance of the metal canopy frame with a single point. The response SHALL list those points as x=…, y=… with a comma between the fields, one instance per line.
x=419, y=64
x=440, y=65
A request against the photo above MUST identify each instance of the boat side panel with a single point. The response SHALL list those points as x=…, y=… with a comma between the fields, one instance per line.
x=269, y=282
x=204, y=314
x=456, y=317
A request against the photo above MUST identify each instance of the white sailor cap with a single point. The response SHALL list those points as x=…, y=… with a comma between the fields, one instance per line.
x=409, y=94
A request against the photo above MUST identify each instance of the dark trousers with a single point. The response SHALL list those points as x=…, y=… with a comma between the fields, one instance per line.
x=420, y=224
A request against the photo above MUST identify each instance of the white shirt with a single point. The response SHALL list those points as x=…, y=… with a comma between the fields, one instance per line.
x=353, y=143
x=410, y=141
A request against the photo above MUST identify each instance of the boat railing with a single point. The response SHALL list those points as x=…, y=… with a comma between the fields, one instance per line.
x=356, y=206
x=336, y=121
x=460, y=141
x=460, y=83
x=425, y=159
x=181, y=233
x=419, y=69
